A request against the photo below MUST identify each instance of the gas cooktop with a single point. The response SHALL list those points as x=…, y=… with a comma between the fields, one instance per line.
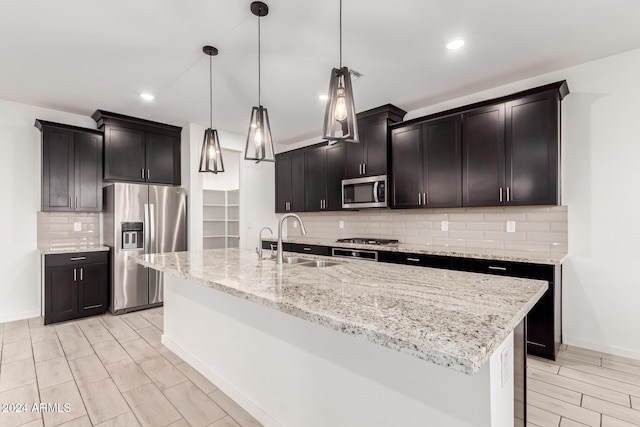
x=368, y=241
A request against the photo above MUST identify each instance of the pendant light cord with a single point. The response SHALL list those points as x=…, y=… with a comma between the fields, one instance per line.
x=340, y=34
x=259, y=61
x=210, y=94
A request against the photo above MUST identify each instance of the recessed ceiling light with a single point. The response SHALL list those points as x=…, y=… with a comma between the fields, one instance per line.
x=147, y=96
x=455, y=44
x=323, y=97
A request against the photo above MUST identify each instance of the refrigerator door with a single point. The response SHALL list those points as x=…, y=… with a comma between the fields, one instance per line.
x=130, y=280
x=167, y=230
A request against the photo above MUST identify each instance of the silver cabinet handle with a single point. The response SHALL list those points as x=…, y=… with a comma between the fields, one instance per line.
x=493, y=267
x=364, y=169
x=70, y=205
x=508, y=194
x=419, y=199
x=307, y=249
x=424, y=199
x=78, y=258
x=142, y=172
x=148, y=174
x=81, y=271
x=413, y=259
x=74, y=275
x=500, y=194
x=76, y=203
x=360, y=168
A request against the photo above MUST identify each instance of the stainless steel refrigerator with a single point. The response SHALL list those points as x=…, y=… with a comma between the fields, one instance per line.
x=141, y=219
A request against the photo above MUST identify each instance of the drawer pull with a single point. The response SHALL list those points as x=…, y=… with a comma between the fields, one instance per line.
x=413, y=259
x=491, y=267
x=307, y=249
x=77, y=258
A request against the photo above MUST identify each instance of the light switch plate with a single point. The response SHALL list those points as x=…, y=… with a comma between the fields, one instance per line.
x=77, y=226
x=445, y=225
x=511, y=226
x=341, y=224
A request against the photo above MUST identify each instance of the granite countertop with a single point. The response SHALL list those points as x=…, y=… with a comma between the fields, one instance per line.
x=451, y=318
x=550, y=258
x=74, y=249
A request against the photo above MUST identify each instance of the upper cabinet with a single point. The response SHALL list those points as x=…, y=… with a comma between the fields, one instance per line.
x=290, y=182
x=137, y=150
x=501, y=152
x=324, y=172
x=71, y=168
x=369, y=156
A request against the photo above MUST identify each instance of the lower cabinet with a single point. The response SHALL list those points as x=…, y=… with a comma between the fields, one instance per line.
x=75, y=285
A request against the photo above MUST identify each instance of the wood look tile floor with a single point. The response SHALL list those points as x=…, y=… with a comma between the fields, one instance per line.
x=113, y=371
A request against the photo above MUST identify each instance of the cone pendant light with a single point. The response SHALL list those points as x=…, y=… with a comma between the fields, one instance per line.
x=211, y=156
x=259, y=143
x=340, y=122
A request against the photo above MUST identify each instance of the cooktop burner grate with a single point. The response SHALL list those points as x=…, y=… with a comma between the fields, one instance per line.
x=368, y=241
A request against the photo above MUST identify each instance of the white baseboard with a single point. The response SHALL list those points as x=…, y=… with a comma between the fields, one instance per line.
x=617, y=351
x=20, y=316
x=242, y=400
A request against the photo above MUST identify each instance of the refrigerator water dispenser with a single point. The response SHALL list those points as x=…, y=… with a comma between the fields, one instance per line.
x=132, y=235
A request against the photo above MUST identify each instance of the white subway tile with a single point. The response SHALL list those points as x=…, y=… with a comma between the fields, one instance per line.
x=558, y=226
x=496, y=235
x=460, y=217
x=507, y=216
x=532, y=226
x=466, y=234
x=457, y=225
x=458, y=243
x=418, y=240
x=534, y=236
x=434, y=233
x=547, y=216
x=486, y=226
x=527, y=246
x=485, y=244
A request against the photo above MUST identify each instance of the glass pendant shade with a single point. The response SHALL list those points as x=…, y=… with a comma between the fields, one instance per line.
x=211, y=156
x=259, y=143
x=340, y=122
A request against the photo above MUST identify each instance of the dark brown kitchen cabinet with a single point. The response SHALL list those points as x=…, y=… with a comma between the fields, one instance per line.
x=290, y=182
x=75, y=285
x=425, y=164
x=324, y=171
x=71, y=168
x=368, y=157
x=138, y=150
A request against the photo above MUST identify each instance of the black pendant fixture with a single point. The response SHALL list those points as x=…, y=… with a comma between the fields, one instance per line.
x=211, y=156
x=259, y=143
x=340, y=122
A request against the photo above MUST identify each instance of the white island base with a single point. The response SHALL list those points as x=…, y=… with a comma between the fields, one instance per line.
x=286, y=371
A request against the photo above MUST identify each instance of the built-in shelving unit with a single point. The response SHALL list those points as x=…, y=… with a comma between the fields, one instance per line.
x=220, y=219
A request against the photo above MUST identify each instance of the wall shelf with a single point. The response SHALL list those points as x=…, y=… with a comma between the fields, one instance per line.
x=221, y=219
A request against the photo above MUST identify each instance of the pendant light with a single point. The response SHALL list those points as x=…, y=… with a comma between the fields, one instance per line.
x=211, y=156
x=259, y=143
x=340, y=122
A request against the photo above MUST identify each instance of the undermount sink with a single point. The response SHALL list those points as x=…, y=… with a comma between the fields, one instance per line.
x=295, y=260
x=319, y=263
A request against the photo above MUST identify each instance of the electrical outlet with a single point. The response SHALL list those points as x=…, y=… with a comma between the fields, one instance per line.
x=511, y=226
x=341, y=224
x=444, y=225
x=77, y=226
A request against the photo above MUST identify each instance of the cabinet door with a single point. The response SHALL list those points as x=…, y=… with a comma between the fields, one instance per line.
x=355, y=156
x=88, y=172
x=375, y=147
x=483, y=156
x=94, y=289
x=297, y=182
x=406, y=166
x=540, y=326
x=335, y=174
x=316, y=179
x=162, y=159
x=283, y=183
x=124, y=154
x=532, y=150
x=442, y=162
x=57, y=170
x=61, y=294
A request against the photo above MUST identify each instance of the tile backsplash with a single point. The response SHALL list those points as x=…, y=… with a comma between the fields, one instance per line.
x=538, y=229
x=56, y=230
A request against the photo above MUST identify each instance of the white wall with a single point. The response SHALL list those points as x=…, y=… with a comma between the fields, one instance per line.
x=230, y=179
x=20, y=175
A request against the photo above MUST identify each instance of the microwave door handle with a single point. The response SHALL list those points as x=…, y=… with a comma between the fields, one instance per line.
x=375, y=192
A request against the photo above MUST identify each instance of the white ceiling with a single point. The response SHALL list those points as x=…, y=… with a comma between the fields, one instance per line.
x=81, y=55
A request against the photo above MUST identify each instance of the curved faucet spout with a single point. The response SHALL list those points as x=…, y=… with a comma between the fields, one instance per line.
x=279, y=257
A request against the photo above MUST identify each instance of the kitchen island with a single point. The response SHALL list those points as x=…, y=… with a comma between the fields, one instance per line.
x=357, y=343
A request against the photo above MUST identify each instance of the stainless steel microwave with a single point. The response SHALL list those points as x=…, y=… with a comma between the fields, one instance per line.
x=369, y=192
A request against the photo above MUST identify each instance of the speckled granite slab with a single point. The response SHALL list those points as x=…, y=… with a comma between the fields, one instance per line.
x=550, y=258
x=450, y=318
x=67, y=250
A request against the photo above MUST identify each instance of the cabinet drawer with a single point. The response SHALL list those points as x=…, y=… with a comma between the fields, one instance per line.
x=505, y=268
x=53, y=260
x=310, y=249
x=421, y=260
x=266, y=244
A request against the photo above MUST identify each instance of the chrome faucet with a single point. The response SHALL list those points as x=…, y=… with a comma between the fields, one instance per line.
x=259, y=248
x=302, y=230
